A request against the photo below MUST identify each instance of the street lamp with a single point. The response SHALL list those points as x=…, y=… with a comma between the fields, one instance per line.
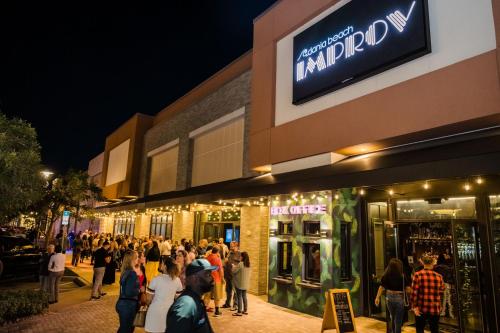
x=46, y=174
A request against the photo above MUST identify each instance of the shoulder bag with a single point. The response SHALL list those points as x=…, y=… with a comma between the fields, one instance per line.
x=140, y=316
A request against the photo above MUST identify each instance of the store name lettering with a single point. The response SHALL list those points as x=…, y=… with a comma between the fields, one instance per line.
x=352, y=44
x=298, y=210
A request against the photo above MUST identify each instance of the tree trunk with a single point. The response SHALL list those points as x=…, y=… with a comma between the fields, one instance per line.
x=76, y=217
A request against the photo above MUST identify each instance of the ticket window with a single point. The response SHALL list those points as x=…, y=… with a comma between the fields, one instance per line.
x=285, y=259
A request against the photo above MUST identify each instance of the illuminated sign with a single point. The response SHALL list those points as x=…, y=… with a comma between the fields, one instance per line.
x=298, y=210
x=65, y=218
x=361, y=39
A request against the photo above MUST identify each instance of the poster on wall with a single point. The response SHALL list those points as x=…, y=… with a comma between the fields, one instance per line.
x=358, y=40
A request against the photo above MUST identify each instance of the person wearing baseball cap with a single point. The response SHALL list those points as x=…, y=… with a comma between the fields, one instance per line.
x=188, y=313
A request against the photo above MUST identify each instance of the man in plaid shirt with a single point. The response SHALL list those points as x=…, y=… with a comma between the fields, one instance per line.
x=427, y=290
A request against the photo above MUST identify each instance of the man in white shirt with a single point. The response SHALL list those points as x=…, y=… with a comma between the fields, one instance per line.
x=166, y=248
x=56, y=272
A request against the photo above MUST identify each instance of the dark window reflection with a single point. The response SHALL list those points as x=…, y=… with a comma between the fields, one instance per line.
x=285, y=259
x=312, y=261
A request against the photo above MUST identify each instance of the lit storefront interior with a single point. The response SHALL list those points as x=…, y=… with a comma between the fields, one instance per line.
x=456, y=221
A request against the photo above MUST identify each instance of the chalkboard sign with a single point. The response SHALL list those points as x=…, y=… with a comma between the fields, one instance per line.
x=338, y=312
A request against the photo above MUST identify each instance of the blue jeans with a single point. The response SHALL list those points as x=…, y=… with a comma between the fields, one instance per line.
x=242, y=300
x=126, y=312
x=395, y=305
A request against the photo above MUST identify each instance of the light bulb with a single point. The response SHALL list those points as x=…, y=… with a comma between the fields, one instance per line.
x=391, y=192
x=426, y=186
x=479, y=180
x=467, y=187
x=362, y=192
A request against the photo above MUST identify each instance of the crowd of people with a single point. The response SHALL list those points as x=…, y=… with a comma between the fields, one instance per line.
x=422, y=292
x=164, y=284
x=173, y=286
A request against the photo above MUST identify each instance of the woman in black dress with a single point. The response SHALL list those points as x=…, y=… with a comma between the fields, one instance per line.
x=111, y=266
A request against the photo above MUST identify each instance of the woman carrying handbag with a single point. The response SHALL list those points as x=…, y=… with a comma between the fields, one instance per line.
x=394, y=284
x=128, y=302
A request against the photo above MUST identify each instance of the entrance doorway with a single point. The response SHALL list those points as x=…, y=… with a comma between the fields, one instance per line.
x=445, y=230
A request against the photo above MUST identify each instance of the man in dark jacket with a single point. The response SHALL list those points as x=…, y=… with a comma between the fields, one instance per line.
x=188, y=314
x=44, y=268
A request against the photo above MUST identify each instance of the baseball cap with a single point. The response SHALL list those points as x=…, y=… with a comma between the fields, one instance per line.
x=199, y=265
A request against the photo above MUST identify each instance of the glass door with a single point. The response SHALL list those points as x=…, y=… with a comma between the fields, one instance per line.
x=467, y=268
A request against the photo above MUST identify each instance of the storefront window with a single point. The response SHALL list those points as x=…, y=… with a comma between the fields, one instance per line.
x=495, y=227
x=345, y=251
x=161, y=226
x=312, y=262
x=285, y=227
x=124, y=226
x=312, y=228
x=437, y=209
x=285, y=259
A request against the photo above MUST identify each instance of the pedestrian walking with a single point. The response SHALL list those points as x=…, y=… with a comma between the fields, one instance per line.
x=188, y=313
x=128, y=302
x=427, y=289
x=56, y=271
x=241, y=279
x=153, y=261
x=161, y=293
x=100, y=256
x=395, y=285
x=44, y=268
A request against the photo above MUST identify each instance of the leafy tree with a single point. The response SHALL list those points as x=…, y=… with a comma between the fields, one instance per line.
x=20, y=181
x=72, y=191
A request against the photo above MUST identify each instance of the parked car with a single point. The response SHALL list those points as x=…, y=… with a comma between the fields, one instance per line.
x=18, y=258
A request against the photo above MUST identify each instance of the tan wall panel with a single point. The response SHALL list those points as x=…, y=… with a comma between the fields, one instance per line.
x=460, y=92
x=163, y=175
x=218, y=154
x=117, y=163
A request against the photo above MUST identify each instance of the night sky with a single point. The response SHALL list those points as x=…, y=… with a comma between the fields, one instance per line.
x=76, y=73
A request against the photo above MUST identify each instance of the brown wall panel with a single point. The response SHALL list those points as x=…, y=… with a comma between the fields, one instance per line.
x=263, y=87
x=260, y=144
x=457, y=93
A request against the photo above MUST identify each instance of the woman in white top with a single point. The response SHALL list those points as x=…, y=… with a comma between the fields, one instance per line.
x=56, y=272
x=162, y=291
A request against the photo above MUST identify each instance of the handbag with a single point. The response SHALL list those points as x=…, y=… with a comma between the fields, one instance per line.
x=143, y=299
x=140, y=317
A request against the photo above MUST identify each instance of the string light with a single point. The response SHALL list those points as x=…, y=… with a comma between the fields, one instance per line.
x=467, y=187
x=426, y=186
x=391, y=192
x=479, y=180
x=362, y=191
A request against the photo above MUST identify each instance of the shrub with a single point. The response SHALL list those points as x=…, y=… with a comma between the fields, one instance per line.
x=15, y=304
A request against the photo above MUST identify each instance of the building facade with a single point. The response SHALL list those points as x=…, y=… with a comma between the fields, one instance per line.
x=354, y=132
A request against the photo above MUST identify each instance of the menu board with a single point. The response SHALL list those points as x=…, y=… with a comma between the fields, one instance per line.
x=338, y=312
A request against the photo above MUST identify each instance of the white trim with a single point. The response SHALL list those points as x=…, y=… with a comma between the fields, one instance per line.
x=306, y=163
x=164, y=147
x=218, y=123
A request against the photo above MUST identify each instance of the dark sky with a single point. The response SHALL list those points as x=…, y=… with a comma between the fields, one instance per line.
x=77, y=72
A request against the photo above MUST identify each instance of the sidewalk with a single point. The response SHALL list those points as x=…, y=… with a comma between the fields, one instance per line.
x=76, y=314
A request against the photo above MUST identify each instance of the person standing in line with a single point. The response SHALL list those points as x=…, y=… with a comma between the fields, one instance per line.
x=181, y=260
x=224, y=249
x=233, y=259
x=153, y=261
x=191, y=255
x=85, y=248
x=96, y=243
x=166, y=248
x=394, y=283
x=427, y=289
x=128, y=302
x=161, y=291
x=241, y=279
x=77, y=247
x=56, y=271
x=44, y=268
x=218, y=275
x=140, y=270
x=100, y=256
x=188, y=313
x=447, y=274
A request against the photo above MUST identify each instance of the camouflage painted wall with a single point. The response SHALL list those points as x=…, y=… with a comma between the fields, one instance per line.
x=298, y=296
